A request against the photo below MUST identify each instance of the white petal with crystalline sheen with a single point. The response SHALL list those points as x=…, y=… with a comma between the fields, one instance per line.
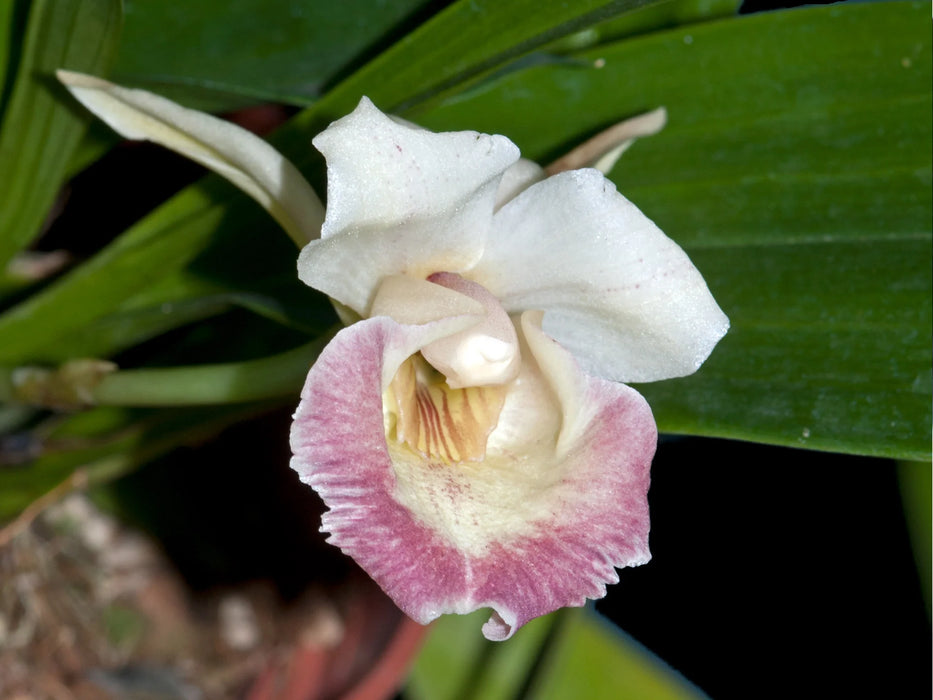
x=414, y=302
x=400, y=199
x=518, y=178
x=229, y=150
x=617, y=293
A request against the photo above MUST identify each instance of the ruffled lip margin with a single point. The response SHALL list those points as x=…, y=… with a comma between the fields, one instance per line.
x=599, y=519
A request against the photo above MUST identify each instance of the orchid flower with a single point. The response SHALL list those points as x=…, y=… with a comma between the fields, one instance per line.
x=470, y=431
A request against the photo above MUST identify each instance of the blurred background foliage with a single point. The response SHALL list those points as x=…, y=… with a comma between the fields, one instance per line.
x=795, y=170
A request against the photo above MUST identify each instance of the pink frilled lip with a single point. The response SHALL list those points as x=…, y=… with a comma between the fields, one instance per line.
x=596, y=513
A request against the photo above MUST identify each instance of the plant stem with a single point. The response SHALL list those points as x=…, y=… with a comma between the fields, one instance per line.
x=234, y=382
x=198, y=385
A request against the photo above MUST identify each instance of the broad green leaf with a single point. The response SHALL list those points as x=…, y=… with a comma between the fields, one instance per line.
x=208, y=54
x=796, y=171
x=454, y=45
x=196, y=53
x=106, y=336
x=465, y=40
x=170, y=302
x=111, y=334
x=569, y=654
x=647, y=19
x=40, y=126
x=205, y=53
x=642, y=20
x=592, y=659
x=458, y=663
x=8, y=37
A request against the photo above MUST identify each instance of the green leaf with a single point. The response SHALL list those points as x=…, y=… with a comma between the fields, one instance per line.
x=9, y=32
x=170, y=302
x=211, y=241
x=207, y=53
x=106, y=336
x=801, y=189
x=458, y=663
x=591, y=658
x=192, y=295
x=463, y=41
x=161, y=244
x=646, y=19
x=41, y=126
x=569, y=654
x=98, y=139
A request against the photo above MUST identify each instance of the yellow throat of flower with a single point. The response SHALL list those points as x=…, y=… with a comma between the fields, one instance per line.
x=445, y=401
x=450, y=425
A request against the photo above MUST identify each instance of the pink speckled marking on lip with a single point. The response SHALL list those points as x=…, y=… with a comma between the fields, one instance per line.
x=339, y=443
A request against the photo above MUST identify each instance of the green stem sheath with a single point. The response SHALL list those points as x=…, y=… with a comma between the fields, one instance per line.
x=200, y=385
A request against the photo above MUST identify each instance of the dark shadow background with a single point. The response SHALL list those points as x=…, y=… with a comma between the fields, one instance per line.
x=778, y=573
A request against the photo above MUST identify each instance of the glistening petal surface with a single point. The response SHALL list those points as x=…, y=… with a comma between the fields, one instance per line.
x=232, y=152
x=400, y=199
x=516, y=533
x=617, y=292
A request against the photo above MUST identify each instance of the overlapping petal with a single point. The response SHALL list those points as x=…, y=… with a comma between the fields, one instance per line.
x=518, y=178
x=532, y=527
x=400, y=199
x=617, y=292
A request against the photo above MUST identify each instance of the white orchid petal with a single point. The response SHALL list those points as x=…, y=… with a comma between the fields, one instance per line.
x=518, y=178
x=387, y=171
x=415, y=302
x=523, y=532
x=617, y=293
x=560, y=372
x=232, y=152
x=400, y=200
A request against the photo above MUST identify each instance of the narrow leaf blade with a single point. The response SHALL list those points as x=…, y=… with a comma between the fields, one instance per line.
x=40, y=128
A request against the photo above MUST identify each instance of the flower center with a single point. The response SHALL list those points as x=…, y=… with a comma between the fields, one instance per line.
x=438, y=421
x=483, y=354
x=445, y=401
